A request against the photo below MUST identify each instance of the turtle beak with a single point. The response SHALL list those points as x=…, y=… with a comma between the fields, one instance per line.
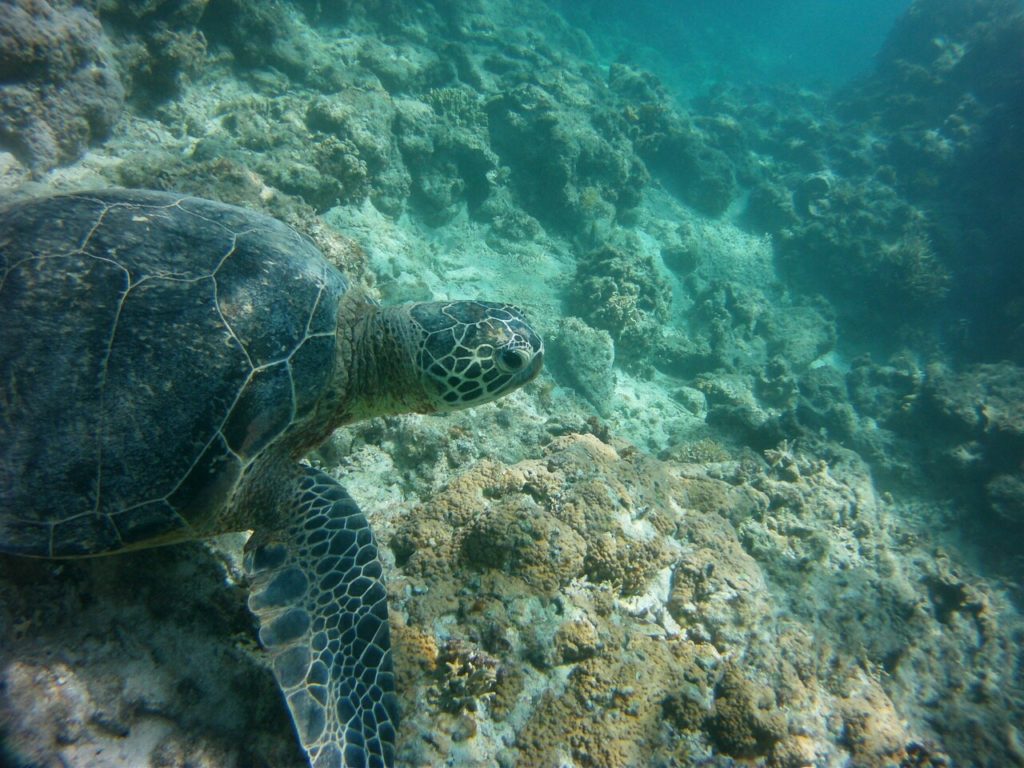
x=533, y=371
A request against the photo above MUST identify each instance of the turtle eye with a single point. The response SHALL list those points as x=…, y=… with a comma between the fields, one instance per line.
x=512, y=360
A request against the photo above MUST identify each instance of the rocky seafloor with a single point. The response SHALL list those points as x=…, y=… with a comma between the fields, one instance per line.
x=765, y=505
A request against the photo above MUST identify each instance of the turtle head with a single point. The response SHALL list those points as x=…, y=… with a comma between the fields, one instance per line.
x=472, y=352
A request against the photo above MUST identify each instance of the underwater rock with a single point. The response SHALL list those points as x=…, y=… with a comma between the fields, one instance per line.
x=884, y=392
x=174, y=12
x=836, y=207
x=735, y=406
x=973, y=421
x=326, y=11
x=811, y=197
x=681, y=257
x=511, y=226
x=129, y=661
x=935, y=52
x=359, y=117
x=824, y=403
x=871, y=728
x=404, y=66
x=1006, y=497
x=625, y=564
x=612, y=708
x=976, y=413
x=983, y=400
x=363, y=114
x=576, y=641
x=585, y=356
x=940, y=101
x=682, y=154
x=157, y=44
x=635, y=85
x=521, y=533
x=869, y=252
x=634, y=648
x=60, y=92
x=716, y=592
x=883, y=397
x=619, y=289
x=745, y=327
x=446, y=148
x=539, y=548
x=744, y=721
x=770, y=208
x=684, y=355
x=840, y=222
x=565, y=170
x=327, y=150
x=265, y=33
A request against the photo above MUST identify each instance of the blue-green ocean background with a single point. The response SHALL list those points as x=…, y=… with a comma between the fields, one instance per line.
x=814, y=44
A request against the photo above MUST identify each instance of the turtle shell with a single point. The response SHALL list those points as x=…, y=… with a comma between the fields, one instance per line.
x=154, y=345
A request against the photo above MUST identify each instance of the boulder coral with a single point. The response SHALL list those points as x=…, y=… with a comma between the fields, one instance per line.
x=632, y=582
x=564, y=167
x=60, y=92
x=620, y=289
x=974, y=419
x=158, y=45
x=584, y=357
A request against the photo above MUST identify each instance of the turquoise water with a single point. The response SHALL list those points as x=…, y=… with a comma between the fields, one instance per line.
x=765, y=503
x=689, y=44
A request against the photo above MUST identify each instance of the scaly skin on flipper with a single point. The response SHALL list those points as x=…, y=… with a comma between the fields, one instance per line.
x=166, y=361
x=326, y=629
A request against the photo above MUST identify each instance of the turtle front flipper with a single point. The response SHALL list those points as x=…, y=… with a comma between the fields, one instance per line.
x=318, y=591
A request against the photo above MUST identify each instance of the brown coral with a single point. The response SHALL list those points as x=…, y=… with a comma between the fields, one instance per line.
x=576, y=641
x=626, y=564
x=619, y=289
x=743, y=721
x=524, y=539
x=611, y=712
x=59, y=91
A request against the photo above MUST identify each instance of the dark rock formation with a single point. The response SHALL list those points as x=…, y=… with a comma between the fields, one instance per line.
x=58, y=91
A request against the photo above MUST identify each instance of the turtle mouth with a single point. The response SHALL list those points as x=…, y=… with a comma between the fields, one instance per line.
x=533, y=369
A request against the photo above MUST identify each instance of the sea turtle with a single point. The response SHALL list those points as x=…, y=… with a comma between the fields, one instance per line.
x=165, y=363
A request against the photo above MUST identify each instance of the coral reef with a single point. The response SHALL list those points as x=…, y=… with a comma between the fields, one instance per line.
x=681, y=152
x=158, y=45
x=60, y=92
x=130, y=661
x=806, y=307
x=743, y=721
x=610, y=711
x=267, y=34
x=841, y=228
x=564, y=170
x=721, y=542
x=585, y=357
x=354, y=128
x=445, y=146
x=619, y=289
x=945, y=99
x=974, y=420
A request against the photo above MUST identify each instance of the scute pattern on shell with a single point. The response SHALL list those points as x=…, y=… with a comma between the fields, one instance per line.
x=197, y=334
